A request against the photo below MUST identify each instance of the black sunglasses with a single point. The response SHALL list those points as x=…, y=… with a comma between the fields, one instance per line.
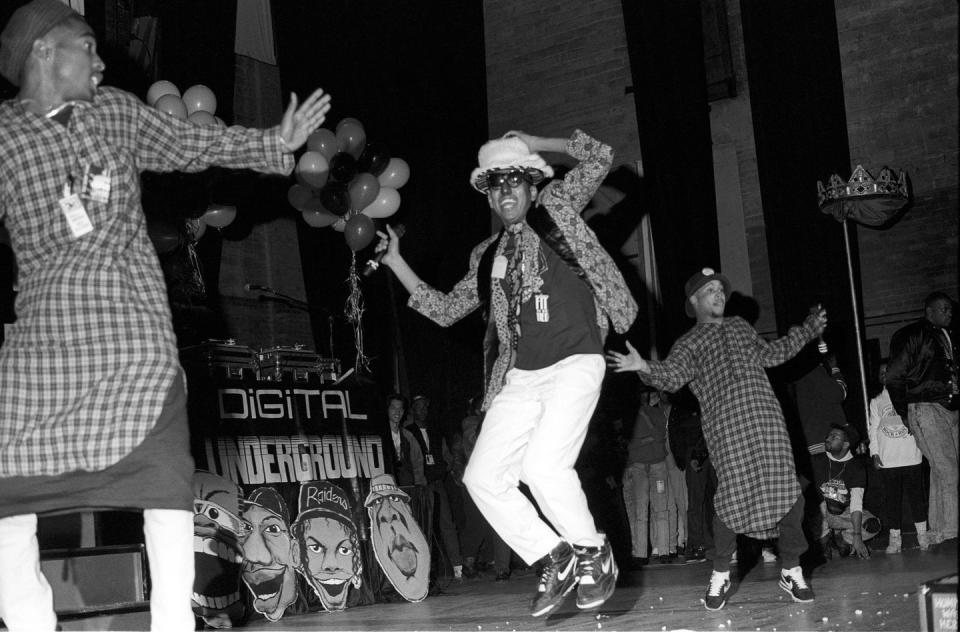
x=513, y=177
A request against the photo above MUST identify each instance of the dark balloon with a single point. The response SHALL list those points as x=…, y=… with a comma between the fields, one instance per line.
x=359, y=232
x=374, y=159
x=335, y=197
x=343, y=167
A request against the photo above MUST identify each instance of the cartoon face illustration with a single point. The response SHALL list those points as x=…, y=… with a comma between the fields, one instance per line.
x=216, y=552
x=398, y=542
x=270, y=554
x=330, y=557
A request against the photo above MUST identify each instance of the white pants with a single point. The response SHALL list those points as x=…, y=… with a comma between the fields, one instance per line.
x=533, y=432
x=26, y=600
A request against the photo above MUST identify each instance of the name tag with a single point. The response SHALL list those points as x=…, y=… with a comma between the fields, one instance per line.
x=75, y=214
x=429, y=459
x=499, y=269
x=96, y=184
x=542, y=303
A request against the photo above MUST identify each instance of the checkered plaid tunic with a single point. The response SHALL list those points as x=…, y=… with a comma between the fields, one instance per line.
x=742, y=420
x=85, y=369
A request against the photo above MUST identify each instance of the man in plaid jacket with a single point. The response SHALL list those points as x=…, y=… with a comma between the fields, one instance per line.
x=723, y=360
x=92, y=396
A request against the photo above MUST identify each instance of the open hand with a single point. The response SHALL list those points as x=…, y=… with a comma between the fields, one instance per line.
x=299, y=122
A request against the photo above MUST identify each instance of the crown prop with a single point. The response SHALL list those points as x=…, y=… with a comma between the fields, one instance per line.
x=862, y=198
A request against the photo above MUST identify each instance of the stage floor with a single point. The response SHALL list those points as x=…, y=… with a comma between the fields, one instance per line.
x=875, y=594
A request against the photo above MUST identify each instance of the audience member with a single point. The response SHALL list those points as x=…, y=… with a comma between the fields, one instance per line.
x=431, y=441
x=645, y=480
x=689, y=449
x=842, y=478
x=404, y=449
x=922, y=383
x=896, y=456
x=676, y=492
x=819, y=397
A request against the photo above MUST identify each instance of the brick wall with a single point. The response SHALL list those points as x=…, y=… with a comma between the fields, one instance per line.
x=900, y=87
x=553, y=67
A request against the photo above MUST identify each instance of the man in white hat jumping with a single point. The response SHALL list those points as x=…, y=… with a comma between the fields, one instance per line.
x=551, y=291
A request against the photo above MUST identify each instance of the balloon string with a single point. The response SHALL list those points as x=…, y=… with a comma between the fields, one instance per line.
x=354, y=312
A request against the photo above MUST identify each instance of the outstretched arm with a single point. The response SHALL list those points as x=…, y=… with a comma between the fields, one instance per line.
x=390, y=244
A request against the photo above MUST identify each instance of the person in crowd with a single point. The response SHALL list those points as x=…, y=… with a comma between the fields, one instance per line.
x=723, y=360
x=819, y=396
x=431, y=441
x=841, y=479
x=92, y=396
x=689, y=449
x=897, y=458
x=404, y=449
x=478, y=531
x=676, y=493
x=922, y=383
x=550, y=288
x=645, y=484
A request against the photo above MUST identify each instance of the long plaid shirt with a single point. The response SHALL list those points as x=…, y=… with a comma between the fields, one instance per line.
x=742, y=420
x=86, y=367
x=564, y=201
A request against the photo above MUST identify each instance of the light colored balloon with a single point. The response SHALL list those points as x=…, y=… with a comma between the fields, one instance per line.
x=173, y=105
x=386, y=204
x=313, y=169
x=160, y=88
x=219, y=215
x=200, y=117
x=320, y=219
x=396, y=174
x=200, y=98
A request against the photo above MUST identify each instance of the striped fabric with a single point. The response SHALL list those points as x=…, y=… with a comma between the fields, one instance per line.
x=742, y=420
x=85, y=369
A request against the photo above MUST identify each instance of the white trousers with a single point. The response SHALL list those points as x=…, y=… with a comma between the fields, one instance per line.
x=533, y=432
x=26, y=600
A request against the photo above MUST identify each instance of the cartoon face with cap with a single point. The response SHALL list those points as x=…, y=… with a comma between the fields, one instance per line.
x=216, y=551
x=330, y=557
x=271, y=556
x=398, y=542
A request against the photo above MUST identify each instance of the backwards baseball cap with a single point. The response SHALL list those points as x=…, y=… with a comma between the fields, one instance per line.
x=382, y=486
x=268, y=498
x=505, y=154
x=28, y=24
x=697, y=281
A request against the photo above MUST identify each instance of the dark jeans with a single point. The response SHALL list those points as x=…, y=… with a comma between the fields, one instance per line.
x=700, y=489
x=478, y=532
x=897, y=483
x=792, y=543
x=440, y=516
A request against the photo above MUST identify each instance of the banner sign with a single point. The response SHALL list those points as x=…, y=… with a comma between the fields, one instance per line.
x=283, y=470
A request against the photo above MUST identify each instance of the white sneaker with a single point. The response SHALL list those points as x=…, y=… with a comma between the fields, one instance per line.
x=717, y=590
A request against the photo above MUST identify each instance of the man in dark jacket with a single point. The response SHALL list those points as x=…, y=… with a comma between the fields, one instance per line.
x=922, y=382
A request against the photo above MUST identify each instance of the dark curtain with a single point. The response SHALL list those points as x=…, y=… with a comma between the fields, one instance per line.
x=413, y=73
x=799, y=118
x=665, y=43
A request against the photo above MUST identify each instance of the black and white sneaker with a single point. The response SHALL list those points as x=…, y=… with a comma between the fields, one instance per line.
x=792, y=581
x=597, y=575
x=558, y=576
x=717, y=590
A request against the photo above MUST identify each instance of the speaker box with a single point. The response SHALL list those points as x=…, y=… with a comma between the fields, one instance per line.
x=96, y=579
x=938, y=605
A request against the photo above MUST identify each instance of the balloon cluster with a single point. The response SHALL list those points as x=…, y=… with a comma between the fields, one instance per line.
x=345, y=182
x=197, y=104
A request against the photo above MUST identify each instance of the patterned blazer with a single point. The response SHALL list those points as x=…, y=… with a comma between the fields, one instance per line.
x=562, y=201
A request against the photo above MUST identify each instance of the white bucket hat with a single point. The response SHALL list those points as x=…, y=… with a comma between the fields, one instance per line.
x=508, y=153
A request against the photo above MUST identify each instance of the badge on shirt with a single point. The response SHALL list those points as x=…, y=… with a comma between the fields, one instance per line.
x=499, y=269
x=96, y=184
x=541, y=301
x=72, y=208
x=429, y=459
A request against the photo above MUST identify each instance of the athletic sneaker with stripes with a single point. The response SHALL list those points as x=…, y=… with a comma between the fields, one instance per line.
x=597, y=574
x=792, y=581
x=717, y=590
x=558, y=576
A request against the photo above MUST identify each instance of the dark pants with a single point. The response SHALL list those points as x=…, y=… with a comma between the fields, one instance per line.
x=478, y=532
x=700, y=489
x=897, y=483
x=439, y=515
x=792, y=543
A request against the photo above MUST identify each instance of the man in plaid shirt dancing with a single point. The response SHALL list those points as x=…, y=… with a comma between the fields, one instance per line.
x=92, y=396
x=723, y=360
